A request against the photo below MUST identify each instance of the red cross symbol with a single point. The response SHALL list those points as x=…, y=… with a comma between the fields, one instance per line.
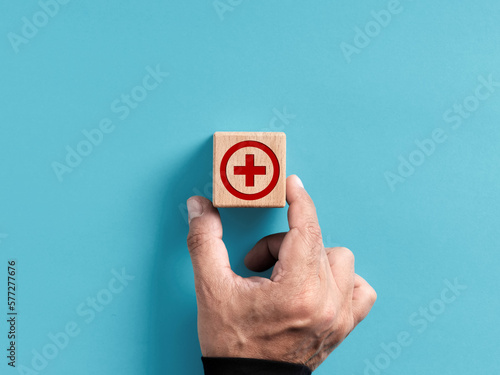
x=249, y=170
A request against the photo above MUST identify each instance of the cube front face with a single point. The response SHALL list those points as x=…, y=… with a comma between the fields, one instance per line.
x=249, y=169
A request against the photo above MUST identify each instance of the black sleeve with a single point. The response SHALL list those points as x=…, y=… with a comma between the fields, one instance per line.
x=248, y=366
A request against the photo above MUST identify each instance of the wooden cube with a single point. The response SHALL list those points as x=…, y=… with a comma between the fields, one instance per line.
x=249, y=169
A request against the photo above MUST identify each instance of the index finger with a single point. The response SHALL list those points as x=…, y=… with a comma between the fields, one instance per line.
x=302, y=245
x=301, y=213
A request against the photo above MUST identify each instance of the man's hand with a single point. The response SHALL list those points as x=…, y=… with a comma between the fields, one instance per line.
x=312, y=301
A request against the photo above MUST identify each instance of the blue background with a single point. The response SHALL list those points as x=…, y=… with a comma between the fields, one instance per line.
x=123, y=206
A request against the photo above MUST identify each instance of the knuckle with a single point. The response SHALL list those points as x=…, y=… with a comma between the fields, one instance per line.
x=312, y=233
x=328, y=315
x=306, y=308
x=315, y=310
x=196, y=240
x=301, y=307
x=313, y=230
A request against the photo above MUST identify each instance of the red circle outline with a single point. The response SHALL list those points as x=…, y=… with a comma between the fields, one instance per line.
x=268, y=188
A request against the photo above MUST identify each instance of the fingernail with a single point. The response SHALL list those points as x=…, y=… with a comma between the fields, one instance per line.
x=195, y=209
x=299, y=182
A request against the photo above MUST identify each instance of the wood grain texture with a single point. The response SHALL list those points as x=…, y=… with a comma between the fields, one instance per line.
x=249, y=169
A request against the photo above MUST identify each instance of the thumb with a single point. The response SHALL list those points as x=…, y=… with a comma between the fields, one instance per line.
x=208, y=252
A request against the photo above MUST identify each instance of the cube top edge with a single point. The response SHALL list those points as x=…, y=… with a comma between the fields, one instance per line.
x=244, y=134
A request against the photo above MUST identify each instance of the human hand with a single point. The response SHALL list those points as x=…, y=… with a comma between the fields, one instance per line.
x=312, y=301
